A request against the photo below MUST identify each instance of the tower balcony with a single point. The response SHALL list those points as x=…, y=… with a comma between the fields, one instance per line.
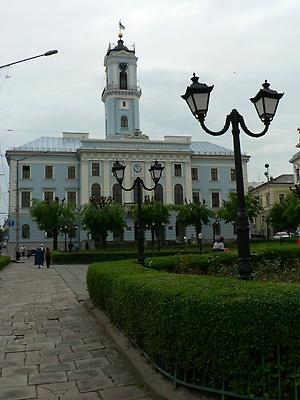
x=114, y=90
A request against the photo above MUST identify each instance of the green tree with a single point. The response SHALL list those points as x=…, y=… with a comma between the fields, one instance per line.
x=285, y=215
x=277, y=217
x=155, y=215
x=50, y=216
x=101, y=218
x=228, y=211
x=195, y=214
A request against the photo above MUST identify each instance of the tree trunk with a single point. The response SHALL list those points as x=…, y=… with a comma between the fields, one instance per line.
x=55, y=235
x=104, y=241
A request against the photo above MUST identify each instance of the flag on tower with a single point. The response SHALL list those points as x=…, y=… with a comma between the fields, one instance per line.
x=121, y=26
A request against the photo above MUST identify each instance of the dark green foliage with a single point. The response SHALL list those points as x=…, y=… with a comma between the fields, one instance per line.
x=78, y=257
x=52, y=215
x=194, y=214
x=286, y=215
x=217, y=325
x=228, y=211
x=99, y=220
x=4, y=260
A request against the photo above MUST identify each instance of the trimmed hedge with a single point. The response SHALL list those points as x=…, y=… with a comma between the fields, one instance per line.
x=80, y=257
x=270, y=263
x=4, y=260
x=216, y=327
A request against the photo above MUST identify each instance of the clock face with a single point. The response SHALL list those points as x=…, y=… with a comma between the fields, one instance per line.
x=123, y=66
x=137, y=168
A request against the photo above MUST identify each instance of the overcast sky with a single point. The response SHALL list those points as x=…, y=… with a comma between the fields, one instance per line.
x=233, y=45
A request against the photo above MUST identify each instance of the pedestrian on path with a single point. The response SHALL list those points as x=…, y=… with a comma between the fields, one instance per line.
x=39, y=257
x=48, y=257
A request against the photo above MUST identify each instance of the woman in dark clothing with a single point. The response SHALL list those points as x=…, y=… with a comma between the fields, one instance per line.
x=48, y=257
x=39, y=257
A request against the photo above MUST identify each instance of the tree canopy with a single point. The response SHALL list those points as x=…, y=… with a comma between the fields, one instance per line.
x=285, y=215
x=228, y=211
x=195, y=214
x=50, y=216
x=100, y=220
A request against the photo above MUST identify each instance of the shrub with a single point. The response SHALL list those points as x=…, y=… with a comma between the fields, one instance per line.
x=88, y=257
x=4, y=260
x=213, y=327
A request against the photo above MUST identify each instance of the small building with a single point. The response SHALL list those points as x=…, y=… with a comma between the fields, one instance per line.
x=269, y=193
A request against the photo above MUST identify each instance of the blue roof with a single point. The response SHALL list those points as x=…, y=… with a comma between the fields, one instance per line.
x=58, y=144
x=51, y=144
x=208, y=148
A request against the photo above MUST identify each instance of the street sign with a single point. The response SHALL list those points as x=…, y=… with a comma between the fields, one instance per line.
x=11, y=222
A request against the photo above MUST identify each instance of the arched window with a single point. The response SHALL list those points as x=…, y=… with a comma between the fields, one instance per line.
x=159, y=193
x=178, y=194
x=96, y=192
x=124, y=122
x=123, y=80
x=117, y=193
x=25, y=231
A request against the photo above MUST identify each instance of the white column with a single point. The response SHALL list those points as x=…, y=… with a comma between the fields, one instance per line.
x=84, y=174
x=188, y=181
x=168, y=190
x=106, y=179
x=127, y=196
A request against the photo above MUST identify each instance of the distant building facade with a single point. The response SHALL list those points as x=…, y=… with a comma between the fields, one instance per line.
x=272, y=192
x=76, y=167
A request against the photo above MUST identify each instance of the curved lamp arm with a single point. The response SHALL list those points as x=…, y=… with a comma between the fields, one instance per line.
x=249, y=133
x=135, y=182
x=146, y=188
x=124, y=188
x=218, y=133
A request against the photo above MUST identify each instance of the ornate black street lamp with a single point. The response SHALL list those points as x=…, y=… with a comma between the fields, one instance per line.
x=155, y=170
x=265, y=102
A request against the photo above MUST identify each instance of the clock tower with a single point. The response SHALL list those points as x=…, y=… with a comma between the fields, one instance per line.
x=121, y=94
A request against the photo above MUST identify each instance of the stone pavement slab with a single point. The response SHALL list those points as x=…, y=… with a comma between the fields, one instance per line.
x=51, y=347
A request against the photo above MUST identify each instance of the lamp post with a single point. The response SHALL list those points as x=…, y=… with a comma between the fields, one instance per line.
x=265, y=102
x=48, y=53
x=155, y=170
x=267, y=175
x=200, y=237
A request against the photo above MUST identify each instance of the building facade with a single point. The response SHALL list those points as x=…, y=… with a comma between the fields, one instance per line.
x=76, y=167
x=272, y=192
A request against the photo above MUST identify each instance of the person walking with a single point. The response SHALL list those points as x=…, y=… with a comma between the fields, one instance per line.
x=39, y=257
x=48, y=257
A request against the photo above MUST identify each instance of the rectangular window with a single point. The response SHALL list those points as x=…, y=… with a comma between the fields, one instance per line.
x=232, y=175
x=196, y=197
x=71, y=172
x=215, y=199
x=25, y=171
x=214, y=174
x=177, y=170
x=71, y=197
x=194, y=172
x=48, y=195
x=48, y=171
x=267, y=199
x=281, y=197
x=95, y=169
x=25, y=199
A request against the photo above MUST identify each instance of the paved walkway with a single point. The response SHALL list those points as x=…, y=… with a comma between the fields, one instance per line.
x=51, y=348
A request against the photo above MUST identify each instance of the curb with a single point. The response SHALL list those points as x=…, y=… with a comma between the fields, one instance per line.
x=159, y=387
